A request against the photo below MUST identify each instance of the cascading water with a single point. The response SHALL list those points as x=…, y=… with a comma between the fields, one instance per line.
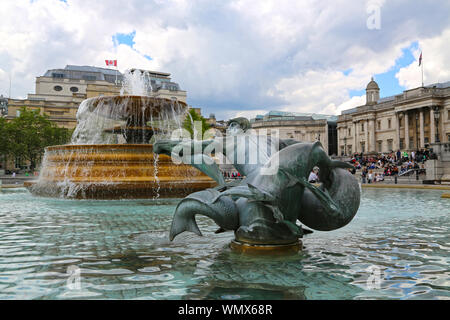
x=110, y=154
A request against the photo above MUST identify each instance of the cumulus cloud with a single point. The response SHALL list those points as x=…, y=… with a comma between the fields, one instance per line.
x=232, y=57
x=435, y=59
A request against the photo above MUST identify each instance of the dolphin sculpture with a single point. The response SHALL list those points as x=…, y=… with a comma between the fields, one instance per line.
x=264, y=209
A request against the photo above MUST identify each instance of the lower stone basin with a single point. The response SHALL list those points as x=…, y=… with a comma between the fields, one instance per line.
x=122, y=171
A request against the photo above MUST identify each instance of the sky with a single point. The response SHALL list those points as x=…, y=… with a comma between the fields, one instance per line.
x=237, y=57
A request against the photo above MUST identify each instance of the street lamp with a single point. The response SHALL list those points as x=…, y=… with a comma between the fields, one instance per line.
x=437, y=115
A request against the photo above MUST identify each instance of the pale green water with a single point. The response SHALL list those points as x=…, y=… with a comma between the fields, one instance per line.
x=123, y=252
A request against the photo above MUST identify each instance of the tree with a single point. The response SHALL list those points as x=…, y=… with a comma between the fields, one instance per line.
x=190, y=123
x=30, y=133
x=4, y=143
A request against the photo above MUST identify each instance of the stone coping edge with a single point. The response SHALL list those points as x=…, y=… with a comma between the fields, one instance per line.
x=407, y=186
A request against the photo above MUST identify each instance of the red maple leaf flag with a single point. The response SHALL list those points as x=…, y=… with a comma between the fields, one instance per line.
x=111, y=63
x=420, y=59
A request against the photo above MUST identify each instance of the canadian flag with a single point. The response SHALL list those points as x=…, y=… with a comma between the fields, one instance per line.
x=111, y=63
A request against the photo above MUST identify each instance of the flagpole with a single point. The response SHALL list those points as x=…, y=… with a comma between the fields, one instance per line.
x=422, y=72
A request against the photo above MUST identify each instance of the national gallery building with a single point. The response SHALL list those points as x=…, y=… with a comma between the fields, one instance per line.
x=408, y=121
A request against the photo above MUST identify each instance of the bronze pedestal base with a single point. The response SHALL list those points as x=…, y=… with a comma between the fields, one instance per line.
x=262, y=249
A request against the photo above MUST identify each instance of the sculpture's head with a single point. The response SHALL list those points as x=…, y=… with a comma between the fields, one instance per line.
x=237, y=126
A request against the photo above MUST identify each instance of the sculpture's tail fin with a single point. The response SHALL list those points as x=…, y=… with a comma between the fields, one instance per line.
x=183, y=220
x=223, y=212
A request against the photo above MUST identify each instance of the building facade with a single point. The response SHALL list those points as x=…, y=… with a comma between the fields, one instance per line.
x=59, y=92
x=305, y=127
x=412, y=120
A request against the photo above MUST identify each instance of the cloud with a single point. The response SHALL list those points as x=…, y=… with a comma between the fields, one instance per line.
x=240, y=56
x=435, y=56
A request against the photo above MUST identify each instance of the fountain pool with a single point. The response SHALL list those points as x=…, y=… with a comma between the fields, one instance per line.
x=122, y=251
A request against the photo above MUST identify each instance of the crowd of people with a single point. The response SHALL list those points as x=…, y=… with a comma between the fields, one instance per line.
x=232, y=175
x=393, y=164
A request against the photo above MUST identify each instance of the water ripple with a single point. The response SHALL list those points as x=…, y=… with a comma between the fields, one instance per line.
x=121, y=250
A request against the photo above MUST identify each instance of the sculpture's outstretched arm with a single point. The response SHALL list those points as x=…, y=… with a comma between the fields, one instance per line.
x=166, y=146
x=201, y=161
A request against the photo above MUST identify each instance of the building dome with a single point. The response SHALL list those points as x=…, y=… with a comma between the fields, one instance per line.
x=372, y=85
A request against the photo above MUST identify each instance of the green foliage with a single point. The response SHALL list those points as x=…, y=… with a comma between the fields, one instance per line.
x=28, y=135
x=190, y=120
x=3, y=137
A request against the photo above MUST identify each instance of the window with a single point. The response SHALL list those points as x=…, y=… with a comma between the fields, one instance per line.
x=57, y=88
x=379, y=145
x=411, y=143
x=58, y=75
x=389, y=145
x=17, y=113
x=378, y=125
x=89, y=78
x=402, y=143
x=74, y=89
x=18, y=162
x=362, y=127
x=363, y=147
x=56, y=113
x=389, y=123
x=349, y=148
x=349, y=131
x=448, y=114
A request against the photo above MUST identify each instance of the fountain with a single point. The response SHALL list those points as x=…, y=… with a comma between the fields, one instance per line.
x=111, y=152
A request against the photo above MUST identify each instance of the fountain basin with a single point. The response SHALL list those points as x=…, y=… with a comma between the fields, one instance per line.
x=114, y=171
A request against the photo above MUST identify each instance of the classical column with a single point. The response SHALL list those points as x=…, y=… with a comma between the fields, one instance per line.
x=406, y=131
x=338, y=133
x=355, y=140
x=372, y=136
x=422, y=137
x=432, y=127
x=366, y=135
x=397, y=123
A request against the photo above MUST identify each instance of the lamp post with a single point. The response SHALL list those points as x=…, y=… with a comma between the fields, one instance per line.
x=437, y=115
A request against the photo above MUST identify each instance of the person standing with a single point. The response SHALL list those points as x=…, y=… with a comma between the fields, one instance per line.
x=370, y=177
x=364, y=174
